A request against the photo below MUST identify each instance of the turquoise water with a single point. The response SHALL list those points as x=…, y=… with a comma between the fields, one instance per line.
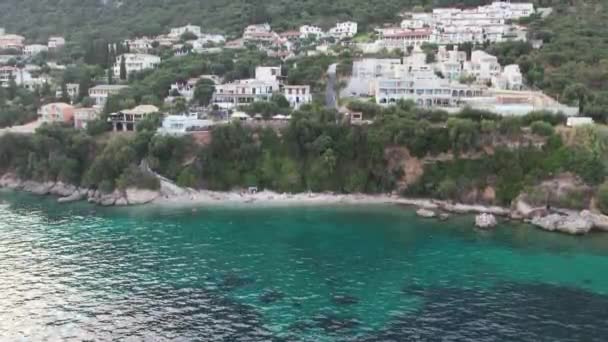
x=79, y=272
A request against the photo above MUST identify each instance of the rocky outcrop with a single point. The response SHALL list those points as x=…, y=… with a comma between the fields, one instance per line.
x=63, y=190
x=425, y=213
x=10, y=181
x=77, y=195
x=571, y=223
x=485, y=221
x=37, y=188
x=139, y=196
x=599, y=221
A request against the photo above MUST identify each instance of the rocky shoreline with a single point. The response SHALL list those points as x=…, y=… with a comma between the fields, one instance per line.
x=555, y=220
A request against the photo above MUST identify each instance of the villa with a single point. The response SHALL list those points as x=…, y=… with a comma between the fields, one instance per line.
x=100, y=93
x=82, y=116
x=184, y=124
x=56, y=113
x=126, y=120
x=297, y=95
x=135, y=62
x=344, y=30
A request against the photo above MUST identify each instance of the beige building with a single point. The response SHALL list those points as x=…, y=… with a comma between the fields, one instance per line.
x=126, y=120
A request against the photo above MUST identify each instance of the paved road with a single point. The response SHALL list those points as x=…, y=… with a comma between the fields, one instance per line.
x=330, y=89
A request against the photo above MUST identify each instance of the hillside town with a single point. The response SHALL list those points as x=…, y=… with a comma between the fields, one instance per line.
x=436, y=61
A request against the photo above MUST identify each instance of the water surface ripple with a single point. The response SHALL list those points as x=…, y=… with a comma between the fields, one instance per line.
x=77, y=272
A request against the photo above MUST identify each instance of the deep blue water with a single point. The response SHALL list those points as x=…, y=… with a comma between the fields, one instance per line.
x=360, y=273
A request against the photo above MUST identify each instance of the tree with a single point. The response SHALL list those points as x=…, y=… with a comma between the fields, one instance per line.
x=187, y=36
x=204, y=91
x=602, y=197
x=110, y=76
x=579, y=93
x=65, y=98
x=123, y=68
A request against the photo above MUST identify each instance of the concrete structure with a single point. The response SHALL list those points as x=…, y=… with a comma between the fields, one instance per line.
x=424, y=88
x=450, y=63
x=483, y=66
x=135, y=62
x=22, y=78
x=73, y=90
x=297, y=95
x=575, y=121
x=516, y=103
x=268, y=73
x=82, y=116
x=347, y=29
x=243, y=92
x=55, y=43
x=184, y=124
x=259, y=33
x=126, y=120
x=139, y=45
x=177, y=32
x=11, y=42
x=56, y=113
x=34, y=49
x=398, y=38
x=509, y=79
x=100, y=93
x=311, y=31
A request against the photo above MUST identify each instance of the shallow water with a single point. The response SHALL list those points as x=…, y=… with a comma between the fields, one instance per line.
x=360, y=273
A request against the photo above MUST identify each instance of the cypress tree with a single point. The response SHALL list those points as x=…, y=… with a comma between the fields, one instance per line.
x=123, y=68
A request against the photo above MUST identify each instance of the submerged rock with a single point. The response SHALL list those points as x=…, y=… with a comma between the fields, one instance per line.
x=426, y=213
x=271, y=296
x=485, y=221
x=345, y=300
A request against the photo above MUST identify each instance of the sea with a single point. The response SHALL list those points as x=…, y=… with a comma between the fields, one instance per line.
x=78, y=272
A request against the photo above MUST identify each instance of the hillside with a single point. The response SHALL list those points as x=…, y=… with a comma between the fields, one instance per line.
x=114, y=19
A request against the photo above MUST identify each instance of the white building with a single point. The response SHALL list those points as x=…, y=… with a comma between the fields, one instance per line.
x=509, y=79
x=22, y=78
x=482, y=66
x=243, y=92
x=100, y=93
x=126, y=120
x=11, y=42
x=398, y=38
x=139, y=45
x=424, y=88
x=309, y=30
x=56, y=43
x=347, y=29
x=184, y=124
x=73, y=89
x=450, y=63
x=259, y=33
x=82, y=116
x=297, y=95
x=34, y=49
x=135, y=62
x=177, y=32
x=268, y=73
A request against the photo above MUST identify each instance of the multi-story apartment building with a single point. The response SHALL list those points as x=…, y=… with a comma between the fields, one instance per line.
x=311, y=31
x=135, y=62
x=347, y=29
x=242, y=92
x=100, y=93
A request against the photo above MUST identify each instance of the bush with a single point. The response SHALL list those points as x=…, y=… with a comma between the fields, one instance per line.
x=134, y=177
x=542, y=128
x=602, y=197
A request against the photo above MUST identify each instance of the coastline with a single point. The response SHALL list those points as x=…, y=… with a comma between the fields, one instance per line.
x=557, y=220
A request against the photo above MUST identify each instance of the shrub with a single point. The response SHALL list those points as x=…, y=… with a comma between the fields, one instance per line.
x=602, y=197
x=542, y=128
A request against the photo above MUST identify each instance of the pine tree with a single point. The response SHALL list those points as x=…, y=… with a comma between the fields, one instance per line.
x=123, y=68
